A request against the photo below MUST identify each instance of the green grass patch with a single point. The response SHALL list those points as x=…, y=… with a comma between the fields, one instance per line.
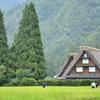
x=49, y=93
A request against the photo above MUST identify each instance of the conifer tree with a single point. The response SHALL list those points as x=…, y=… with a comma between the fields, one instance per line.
x=3, y=50
x=3, y=40
x=27, y=50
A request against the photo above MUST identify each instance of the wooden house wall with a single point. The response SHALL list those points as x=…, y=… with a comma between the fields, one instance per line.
x=85, y=71
x=85, y=66
x=90, y=62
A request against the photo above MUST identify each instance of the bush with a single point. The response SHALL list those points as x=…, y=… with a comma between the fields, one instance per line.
x=2, y=79
x=51, y=82
x=13, y=82
x=77, y=82
x=28, y=82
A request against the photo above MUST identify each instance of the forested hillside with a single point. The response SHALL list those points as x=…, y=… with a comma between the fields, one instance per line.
x=65, y=25
x=6, y=4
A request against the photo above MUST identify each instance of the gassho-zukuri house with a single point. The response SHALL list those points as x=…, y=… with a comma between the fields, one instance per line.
x=82, y=65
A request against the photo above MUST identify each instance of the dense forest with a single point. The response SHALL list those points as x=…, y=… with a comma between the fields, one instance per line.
x=64, y=24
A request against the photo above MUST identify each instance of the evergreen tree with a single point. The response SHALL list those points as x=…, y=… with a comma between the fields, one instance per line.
x=3, y=50
x=27, y=49
x=3, y=40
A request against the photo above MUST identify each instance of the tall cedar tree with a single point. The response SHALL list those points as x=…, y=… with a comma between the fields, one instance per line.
x=27, y=50
x=3, y=50
x=3, y=40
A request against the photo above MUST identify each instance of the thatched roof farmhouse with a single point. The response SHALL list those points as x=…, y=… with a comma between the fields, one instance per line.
x=82, y=65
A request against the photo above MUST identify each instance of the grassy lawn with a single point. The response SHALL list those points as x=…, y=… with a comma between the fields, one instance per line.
x=49, y=93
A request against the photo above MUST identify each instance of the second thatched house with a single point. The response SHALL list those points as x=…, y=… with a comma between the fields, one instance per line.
x=82, y=65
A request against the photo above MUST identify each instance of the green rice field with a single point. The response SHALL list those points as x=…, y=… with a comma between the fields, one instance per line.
x=49, y=93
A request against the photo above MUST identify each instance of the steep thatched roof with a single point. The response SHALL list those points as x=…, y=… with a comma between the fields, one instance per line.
x=73, y=63
x=94, y=55
x=64, y=66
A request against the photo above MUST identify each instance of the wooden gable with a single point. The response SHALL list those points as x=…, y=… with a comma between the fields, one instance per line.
x=80, y=60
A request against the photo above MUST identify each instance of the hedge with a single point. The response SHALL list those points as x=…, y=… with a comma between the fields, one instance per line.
x=52, y=82
x=77, y=82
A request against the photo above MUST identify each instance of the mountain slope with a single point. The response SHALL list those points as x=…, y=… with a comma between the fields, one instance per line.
x=6, y=4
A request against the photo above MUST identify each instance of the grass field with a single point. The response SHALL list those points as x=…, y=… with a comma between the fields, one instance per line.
x=49, y=93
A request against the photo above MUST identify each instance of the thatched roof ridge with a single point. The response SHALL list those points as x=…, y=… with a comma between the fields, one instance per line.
x=87, y=47
x=72, y=54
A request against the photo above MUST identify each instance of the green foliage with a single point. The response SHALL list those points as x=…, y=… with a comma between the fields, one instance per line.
x=14, y=82
x=93, y=39
x=26, y=53
x=28, y=82
x=49, y=78
x=77, y=82
x=20, y=73
x=2, y=79
x=3, y=41
x=62, y=23
x=3, y=51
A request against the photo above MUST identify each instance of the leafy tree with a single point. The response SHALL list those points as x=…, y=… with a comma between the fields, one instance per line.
x=27, y=49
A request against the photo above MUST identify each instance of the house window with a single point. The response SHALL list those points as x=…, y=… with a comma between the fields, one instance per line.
x=79, y=69
x=85, y=61
x=92, y=69
x=85, y=55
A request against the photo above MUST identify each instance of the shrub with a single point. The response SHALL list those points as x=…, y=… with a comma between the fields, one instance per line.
x=28, y=82
x=2, y=79
x=13, y=82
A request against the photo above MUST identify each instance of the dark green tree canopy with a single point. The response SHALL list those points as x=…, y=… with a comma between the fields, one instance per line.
x=3, y=40
x=3, y=51
x=27, y=49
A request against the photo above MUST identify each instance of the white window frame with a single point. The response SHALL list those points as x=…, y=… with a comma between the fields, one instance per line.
x=92, y=69
x=85, y=54
x=79, y=69
x=85, y=61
